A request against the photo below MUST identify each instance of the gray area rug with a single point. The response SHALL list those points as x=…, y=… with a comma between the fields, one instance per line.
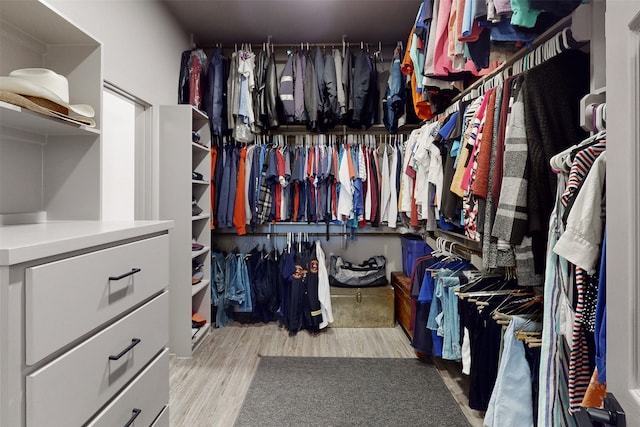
x=338, y=391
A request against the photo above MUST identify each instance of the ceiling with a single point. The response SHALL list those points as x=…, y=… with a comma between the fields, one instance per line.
x=294, y=21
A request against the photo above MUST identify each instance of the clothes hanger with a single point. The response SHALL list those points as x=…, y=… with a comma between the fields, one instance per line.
x=559, y=161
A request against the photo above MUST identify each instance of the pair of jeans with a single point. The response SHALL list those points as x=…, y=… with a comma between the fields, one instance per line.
x=444, y=317
x=511, y=402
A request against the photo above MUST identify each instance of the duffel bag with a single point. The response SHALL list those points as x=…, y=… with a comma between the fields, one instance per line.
x=370, y=273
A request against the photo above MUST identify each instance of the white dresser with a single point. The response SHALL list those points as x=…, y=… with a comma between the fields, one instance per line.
x=84, y=324
x=84, y=303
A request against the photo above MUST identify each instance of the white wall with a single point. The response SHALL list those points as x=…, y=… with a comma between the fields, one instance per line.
x=141, y=45
x=118, y=158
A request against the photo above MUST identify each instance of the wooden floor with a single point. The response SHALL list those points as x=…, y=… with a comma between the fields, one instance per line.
x=208, y=389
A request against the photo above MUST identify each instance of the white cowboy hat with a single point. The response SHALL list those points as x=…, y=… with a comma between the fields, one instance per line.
x=40, y=85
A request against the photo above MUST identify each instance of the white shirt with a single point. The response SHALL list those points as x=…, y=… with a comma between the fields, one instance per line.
x=580, y=243
x=324, y=291
x=406, y=182
x=345, y=199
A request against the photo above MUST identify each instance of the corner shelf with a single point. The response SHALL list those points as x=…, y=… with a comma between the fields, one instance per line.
x=199, y=287
x=198, y=335
x=196, y=254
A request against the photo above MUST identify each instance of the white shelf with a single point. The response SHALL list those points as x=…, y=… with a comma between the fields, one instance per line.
x=196, y=339
x=195, y=181
x=200, y=147
x=195, y=254
x=199, y=287
x=199, y=217
x=12, y=116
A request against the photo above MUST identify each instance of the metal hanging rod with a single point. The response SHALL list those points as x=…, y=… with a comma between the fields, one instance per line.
x=305, y=45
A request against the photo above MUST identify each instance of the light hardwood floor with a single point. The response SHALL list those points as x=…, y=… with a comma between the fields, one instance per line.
x=208, y=389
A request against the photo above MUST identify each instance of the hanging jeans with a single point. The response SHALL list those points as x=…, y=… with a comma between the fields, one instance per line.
x=444, y=317
x=511, y=402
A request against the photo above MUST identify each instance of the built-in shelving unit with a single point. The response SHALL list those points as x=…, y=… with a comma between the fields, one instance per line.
x=179, y=157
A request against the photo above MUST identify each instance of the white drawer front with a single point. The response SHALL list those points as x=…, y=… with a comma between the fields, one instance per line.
x=142, y=400
x=163, y=419
x=70, y=389
x=68, y=298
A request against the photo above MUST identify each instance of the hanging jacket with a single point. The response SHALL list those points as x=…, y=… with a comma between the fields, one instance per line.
x=197, y=72
x=361, y=89
x=259, y=107
x=183, y=80
x=330, y=108
x=298, y=90
x=347, y=80
x=318, y=61
x=214, y=93
x=286, y=90
x=393, y=102
x=233, y=91
x=311, y=94
x=342, y=100
x=271, y=94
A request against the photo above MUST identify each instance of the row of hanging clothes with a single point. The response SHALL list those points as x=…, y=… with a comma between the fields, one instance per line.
x=520, y=176
x=482, y=168
x=488, y=323
x=290, y=286
x=457, y=40
x=244, y=94
x=544, y=354
x=574, y=333
x=317, y=179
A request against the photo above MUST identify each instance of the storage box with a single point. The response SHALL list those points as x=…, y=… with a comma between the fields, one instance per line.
x=413, y=247
x=363, y=307
x=405, y=305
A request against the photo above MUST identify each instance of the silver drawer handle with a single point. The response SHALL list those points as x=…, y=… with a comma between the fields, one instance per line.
x=134, y=342
x=135, y=414
x=127, y=274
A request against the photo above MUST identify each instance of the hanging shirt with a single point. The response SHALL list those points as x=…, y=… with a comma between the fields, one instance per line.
x=324, y=294
x=345, y=198
x=239, y=213
x=385, y=190
x=580, y=243
x=246, y=67
x=392, y=215
x=247, y=184
x=406, y=182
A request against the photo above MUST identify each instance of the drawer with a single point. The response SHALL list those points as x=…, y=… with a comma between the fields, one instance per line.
x=362, y=307
x=142, y=400
x=163, y=419
x=68, y=298
x=70, y=389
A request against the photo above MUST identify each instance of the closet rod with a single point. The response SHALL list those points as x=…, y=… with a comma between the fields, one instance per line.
x=266, y=234
x=304, y=45
x=342, y=130
x=349, y=44
x=542, y=38
x=314, y=233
